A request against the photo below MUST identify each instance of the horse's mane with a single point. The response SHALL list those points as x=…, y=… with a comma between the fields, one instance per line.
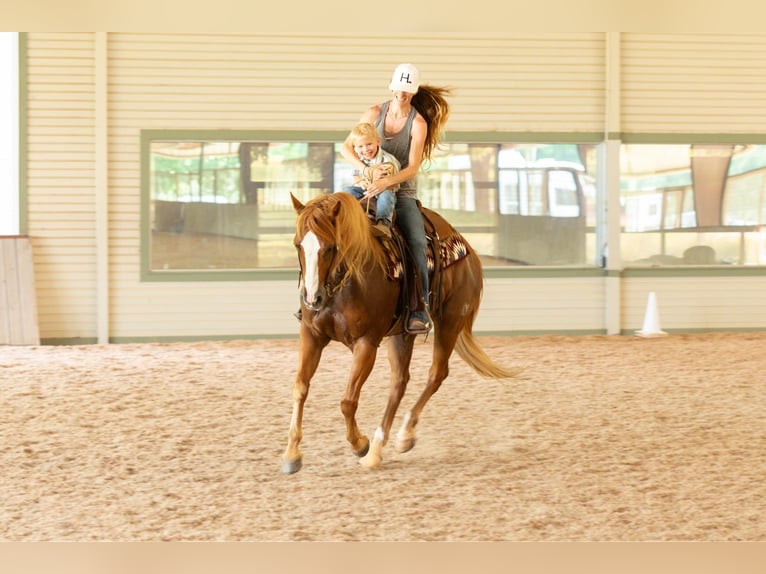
x=338, y=219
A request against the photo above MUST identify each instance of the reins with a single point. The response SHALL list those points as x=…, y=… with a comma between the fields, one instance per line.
x=390, y=169
x=330, y=289
x=351, y=255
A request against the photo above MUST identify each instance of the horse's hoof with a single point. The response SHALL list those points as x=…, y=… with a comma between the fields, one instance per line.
x=405, y=445
x=363, y=451
x=370, y=461
x=292, y=466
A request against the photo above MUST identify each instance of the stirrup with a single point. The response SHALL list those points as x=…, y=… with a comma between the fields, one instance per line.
x=417, y=326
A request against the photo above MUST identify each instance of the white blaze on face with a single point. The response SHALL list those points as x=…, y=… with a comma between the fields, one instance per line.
x=310, y=246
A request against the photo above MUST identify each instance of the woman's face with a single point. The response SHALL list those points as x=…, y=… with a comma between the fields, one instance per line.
x=403, y=97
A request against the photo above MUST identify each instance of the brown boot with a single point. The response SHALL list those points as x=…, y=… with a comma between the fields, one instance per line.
x=419, y=322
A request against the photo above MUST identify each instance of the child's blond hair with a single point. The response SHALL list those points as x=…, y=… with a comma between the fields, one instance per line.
x=365, y=129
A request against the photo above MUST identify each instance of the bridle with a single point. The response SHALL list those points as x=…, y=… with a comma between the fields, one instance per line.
x=336, y=278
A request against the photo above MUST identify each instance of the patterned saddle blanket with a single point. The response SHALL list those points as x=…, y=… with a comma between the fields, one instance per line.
x=446, y=246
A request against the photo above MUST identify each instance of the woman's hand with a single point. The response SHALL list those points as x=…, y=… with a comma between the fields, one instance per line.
x=383, y=170
x=377, y=186
x=380, y=176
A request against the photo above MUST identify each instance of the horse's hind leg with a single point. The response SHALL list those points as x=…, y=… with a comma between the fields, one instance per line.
x=308, y=361
x=399, y=357
x=444, y=343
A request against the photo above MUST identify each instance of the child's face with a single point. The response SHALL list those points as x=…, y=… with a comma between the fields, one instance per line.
x=366, y=147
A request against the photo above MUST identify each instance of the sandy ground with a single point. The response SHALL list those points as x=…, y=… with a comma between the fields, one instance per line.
x=599, y=439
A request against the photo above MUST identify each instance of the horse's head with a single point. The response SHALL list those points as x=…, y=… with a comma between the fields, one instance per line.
x=334, y=244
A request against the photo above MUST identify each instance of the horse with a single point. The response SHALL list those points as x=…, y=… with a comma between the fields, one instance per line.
x=352, y=290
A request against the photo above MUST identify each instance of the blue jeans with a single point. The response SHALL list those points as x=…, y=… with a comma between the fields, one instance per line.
x=410, y=223
x=386, y=201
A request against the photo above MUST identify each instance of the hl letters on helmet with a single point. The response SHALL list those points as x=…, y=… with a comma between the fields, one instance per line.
x=406, y=78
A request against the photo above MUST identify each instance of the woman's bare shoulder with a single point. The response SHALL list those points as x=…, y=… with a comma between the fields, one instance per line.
x=372, y=113
x=419, y=122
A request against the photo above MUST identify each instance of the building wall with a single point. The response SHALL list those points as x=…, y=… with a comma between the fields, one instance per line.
x=693, y=303
x=693, y=83
x=543, y=84
x=60, y=188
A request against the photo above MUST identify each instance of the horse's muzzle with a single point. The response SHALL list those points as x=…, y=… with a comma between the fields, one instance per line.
x=316, y=304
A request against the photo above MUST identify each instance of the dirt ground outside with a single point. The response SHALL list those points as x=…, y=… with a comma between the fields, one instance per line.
x=600, y=438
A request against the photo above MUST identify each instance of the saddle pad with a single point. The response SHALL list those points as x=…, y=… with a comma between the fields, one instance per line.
x=452, y=249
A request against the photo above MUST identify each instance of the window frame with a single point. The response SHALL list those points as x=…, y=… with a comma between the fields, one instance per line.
x=148, y=136
x=630, y=268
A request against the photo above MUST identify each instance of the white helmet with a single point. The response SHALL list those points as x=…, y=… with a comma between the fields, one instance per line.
x=406, y=78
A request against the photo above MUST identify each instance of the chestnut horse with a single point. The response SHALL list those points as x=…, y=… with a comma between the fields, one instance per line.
x=351, y=292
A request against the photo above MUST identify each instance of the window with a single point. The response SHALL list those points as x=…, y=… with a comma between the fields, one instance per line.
x=224, y=205
x=693, y=204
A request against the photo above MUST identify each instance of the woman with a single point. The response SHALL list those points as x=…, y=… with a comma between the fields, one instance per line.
x=410, y=125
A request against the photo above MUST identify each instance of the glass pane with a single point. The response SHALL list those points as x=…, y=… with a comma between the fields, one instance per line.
x=692, y=204
x=564, y=198
x=518, y=204
x=672, y=209
x=225, y=205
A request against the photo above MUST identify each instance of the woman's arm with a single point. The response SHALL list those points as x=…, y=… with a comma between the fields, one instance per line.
x=417, y=142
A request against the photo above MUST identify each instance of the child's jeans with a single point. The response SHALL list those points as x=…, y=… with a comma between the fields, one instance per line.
x=386, y=201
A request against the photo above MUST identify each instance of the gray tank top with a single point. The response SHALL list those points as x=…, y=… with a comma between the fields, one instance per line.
x=399, y=146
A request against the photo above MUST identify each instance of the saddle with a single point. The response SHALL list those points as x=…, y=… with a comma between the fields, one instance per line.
x=445, y=246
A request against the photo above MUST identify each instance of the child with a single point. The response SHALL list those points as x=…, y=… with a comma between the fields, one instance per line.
x=379, y=164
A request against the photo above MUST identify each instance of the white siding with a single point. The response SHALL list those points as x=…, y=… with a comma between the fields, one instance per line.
x=551, y=83
x=693, y=83
x=709, y=303
x=300, y=83
x=60, y=181
x=542, y=304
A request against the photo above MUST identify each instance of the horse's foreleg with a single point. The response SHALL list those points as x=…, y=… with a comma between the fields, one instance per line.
x=310, y=353
x=363, y=360
x=405, y=438
x=399, y=357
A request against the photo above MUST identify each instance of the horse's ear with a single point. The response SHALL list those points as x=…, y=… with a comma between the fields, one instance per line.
x=337, y=207
x=297, y=205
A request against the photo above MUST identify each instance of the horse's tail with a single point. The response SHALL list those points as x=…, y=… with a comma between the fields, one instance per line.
x=469, y=350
